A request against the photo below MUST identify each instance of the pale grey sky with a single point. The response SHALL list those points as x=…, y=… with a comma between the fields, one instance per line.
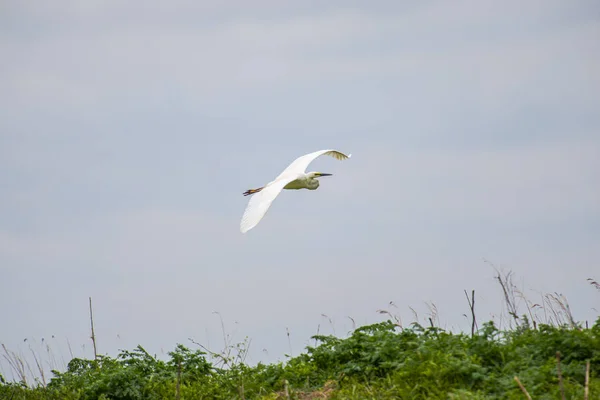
x=129, y=132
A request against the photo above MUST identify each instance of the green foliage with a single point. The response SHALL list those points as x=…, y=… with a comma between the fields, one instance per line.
x=376, y=361
x=132, y=375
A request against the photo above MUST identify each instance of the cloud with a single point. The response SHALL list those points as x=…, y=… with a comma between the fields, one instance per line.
x=551, y=181
x=213, y=62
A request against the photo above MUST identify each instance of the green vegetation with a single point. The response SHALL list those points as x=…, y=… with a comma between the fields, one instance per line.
x=379, y=361
x=376, y=361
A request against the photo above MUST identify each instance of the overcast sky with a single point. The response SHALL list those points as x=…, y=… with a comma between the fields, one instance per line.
x=128, y=133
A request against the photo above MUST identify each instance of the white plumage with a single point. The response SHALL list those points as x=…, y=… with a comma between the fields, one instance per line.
x=294, y=177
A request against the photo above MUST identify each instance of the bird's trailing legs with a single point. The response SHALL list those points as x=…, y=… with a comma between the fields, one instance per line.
x=252, y=191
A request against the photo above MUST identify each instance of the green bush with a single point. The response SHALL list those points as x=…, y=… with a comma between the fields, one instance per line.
x=376, y=361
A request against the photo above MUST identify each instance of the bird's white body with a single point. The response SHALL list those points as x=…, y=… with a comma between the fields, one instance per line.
x=293, y=177
x=302, y=182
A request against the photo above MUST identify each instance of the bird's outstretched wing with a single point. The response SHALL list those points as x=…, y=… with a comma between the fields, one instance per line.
x=299, y=165
x=260, y=202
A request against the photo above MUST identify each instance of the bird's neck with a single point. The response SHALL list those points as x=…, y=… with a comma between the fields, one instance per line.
x=312, y=183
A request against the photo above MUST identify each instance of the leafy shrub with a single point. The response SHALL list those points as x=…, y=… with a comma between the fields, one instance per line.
x=375, y=361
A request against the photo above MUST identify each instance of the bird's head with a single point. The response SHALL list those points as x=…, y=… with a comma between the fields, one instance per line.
x=317, y=174
x=312, y=181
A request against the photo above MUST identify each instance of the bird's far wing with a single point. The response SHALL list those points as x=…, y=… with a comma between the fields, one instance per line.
x=260, y=202
x=300, y=164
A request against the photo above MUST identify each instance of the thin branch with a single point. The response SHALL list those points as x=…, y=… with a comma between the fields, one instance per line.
x=586, y=391
x=212, y=353
x=39, y=366
x=353, y=323
x=508, y=289
x=472, y=307
x=523, y=388
x=289, y=340
x=220, y=357
x=93, y=337
x=16, y=363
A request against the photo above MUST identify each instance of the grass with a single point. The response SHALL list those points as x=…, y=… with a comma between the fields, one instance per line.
x=535, y=350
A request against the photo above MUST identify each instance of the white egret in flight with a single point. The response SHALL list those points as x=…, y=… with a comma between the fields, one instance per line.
x=294, y=177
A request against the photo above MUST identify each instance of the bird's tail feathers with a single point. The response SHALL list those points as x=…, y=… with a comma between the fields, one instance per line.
x=252, y=191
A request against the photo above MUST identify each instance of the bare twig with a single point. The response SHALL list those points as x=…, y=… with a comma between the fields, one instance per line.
x=221, y=359
x=529, y=306
x=226, y=349
x=93, y=337
x=39, y=366
x=287, y=331
x=416, y=316
x=353, y=323
x=472, y=307
x=522, y=388
x=508, y=289
x=70, y=349
x=396, y=319
x=243, y=350
x=560, y=378
x=586, y=391
x=564, y=309
x=16, y=363
x=330, y=323
x=212, y=353
x=433, y=313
